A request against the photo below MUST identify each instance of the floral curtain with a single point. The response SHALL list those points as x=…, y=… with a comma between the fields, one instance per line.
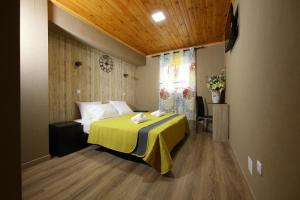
x=178, y=83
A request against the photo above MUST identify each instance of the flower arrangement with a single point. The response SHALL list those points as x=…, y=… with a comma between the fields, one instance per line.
x=216, y=82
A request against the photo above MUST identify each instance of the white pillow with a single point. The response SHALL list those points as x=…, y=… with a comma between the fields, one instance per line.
x=108, y=111
x=121, y=106
x=88, y=110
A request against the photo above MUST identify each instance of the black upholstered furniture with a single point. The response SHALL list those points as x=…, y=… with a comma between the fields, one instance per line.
x=201, y=115
x=66, y=137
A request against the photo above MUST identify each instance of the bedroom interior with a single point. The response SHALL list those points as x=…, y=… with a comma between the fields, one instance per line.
x=145, y=99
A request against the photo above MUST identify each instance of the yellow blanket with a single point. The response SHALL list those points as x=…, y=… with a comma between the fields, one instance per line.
x=120, y=134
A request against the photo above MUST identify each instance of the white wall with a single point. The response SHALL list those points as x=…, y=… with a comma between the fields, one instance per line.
x=209, y=60
x=34, y=79
x=263, y=74
x=147, y=85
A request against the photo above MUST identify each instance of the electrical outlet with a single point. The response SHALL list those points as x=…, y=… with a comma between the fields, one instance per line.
x=78, y=91
x=259, y=168
x=250, y=165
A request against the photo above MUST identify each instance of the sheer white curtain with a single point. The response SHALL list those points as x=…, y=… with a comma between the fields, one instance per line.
x=178, y=83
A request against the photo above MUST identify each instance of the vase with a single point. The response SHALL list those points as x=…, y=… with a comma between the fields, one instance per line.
x=216, y=96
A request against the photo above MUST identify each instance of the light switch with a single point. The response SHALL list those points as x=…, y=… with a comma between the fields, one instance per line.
x=78, y=91
x=259, y=168
x=250, y=165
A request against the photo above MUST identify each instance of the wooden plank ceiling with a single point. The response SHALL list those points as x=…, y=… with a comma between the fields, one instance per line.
x=188, y=22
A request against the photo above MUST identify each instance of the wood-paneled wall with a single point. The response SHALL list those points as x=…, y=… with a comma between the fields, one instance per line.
x=65, y=79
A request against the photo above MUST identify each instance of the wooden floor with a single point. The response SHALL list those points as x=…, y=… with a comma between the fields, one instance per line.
x=202, y=170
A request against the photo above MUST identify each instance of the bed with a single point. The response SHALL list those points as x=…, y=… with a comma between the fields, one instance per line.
x=152, y=140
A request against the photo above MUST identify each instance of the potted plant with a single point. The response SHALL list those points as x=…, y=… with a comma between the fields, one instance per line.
x=216, y=84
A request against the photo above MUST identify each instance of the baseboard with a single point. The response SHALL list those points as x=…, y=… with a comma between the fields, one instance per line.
x=35, y=161
x=243, y=173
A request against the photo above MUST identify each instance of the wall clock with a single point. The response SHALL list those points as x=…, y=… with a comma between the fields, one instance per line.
x=106, y=63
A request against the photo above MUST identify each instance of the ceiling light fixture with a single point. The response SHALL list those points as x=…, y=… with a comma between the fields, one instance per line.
x=158, y=16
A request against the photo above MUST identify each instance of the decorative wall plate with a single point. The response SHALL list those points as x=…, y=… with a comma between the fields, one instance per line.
x=106, y=63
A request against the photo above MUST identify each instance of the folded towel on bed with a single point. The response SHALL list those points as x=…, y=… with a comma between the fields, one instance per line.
x=139, y=118
x=158, y=113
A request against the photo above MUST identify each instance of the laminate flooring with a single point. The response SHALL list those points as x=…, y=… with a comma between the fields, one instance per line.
x=202, y=170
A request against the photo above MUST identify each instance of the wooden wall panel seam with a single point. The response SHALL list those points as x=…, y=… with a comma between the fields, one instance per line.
x=93, y=83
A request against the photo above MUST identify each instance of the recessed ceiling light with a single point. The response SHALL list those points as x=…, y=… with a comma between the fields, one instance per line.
x=158, y=16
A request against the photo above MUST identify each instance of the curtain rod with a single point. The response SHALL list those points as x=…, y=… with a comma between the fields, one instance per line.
x=176, y=51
